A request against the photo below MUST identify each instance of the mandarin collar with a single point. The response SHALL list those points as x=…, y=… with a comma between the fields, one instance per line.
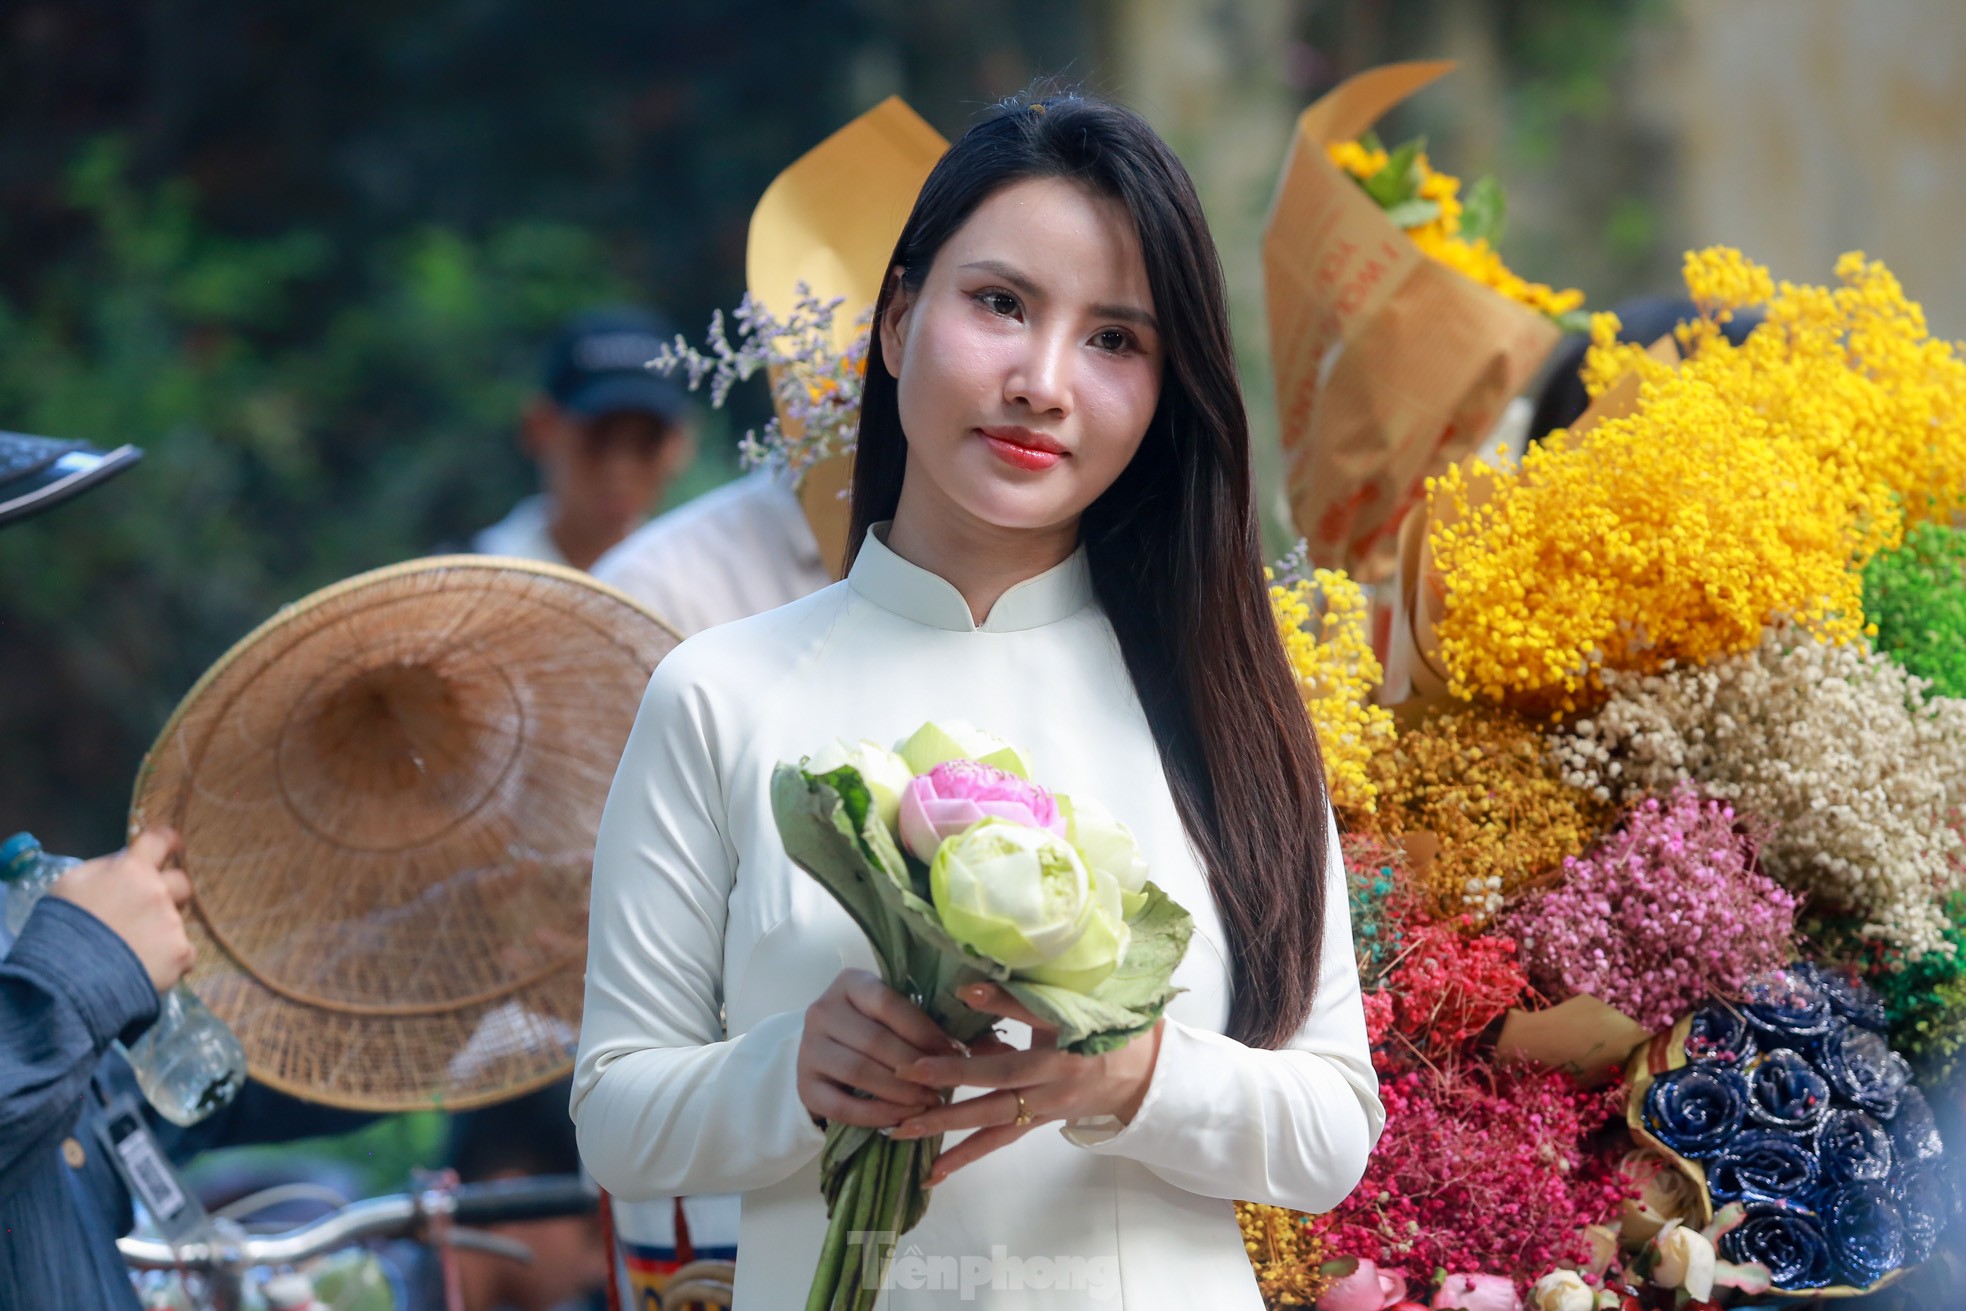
x=913, y=592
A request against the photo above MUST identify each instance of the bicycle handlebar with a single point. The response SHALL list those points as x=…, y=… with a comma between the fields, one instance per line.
x=397, y=1216
x=506, y=1201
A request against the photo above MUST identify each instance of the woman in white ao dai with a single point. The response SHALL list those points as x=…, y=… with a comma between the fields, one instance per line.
x=1057, y=544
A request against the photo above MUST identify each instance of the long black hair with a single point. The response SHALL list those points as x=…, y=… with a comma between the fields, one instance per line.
x=1173, y=545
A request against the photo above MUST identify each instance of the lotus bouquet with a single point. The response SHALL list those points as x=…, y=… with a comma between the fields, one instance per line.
x=960, y=870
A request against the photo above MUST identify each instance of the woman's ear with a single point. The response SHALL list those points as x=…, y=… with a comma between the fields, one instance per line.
x=894, y=323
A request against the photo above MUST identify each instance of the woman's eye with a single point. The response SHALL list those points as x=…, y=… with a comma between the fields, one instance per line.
x=998, y=302
x=1112, y=339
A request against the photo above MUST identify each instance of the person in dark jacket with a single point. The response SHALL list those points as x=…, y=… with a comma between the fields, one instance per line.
x=86, y=970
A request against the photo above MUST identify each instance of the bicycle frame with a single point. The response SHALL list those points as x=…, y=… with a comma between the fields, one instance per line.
x=225, y=1255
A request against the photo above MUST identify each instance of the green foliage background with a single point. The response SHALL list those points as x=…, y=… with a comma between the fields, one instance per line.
x=305, y=255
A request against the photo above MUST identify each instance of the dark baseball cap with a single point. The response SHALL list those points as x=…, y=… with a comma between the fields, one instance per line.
x=598, y=364
x=39, y=472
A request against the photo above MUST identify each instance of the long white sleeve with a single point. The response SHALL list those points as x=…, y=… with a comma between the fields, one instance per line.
x=1291, y=1127
x=663, y=1102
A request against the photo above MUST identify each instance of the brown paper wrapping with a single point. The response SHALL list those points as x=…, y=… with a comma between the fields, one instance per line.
x=1664, y=1195
x=830, y=221
x=1664, y=1054
x=1389, y=365
x=1414, y=667
x=1584, y=1037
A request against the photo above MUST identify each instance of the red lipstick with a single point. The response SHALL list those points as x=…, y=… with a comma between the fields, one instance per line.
x=1023, y=448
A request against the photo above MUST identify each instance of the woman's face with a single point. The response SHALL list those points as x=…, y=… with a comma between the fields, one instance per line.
x=1029, y=362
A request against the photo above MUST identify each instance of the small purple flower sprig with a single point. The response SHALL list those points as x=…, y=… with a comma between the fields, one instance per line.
x=815, y=385
x=1668, y=909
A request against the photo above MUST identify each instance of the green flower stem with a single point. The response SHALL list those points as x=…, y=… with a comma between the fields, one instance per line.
x=896, y=1165
x=866, y=1169
x=826, y=1279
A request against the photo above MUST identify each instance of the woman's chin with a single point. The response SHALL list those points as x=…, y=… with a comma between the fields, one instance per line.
x=1018, y=509
x=993, y=493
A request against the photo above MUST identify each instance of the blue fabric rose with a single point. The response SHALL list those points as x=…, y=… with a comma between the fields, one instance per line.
x=1862, y=1068
x=1925, y=1204
x=1785, y=1092
x=1720, y=1036
x=1865, y=1232
x=1853, y=1148
x=1914, y=1134
x=1786, y=1238
x=1695, y=1109
x=1786, y=1006
x=1762, y=1165
x=1848, y=996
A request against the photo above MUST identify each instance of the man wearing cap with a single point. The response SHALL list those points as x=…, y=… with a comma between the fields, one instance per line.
x=86, y=970
x=608, y=436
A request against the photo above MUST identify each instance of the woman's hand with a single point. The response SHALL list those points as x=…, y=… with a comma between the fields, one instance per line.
x=857, y=1035
x=1047, y=1084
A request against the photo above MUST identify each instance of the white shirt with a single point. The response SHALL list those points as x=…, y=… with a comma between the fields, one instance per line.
x=523, y=533
x=696, y=909
x=738, y=550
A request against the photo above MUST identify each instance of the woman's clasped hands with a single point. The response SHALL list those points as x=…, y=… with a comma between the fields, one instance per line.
x=870, y=1057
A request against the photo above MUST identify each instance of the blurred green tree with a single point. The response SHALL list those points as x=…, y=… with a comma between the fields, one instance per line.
x=287, y=446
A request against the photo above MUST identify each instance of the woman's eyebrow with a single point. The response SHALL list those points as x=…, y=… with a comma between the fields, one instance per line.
x=1022, y=284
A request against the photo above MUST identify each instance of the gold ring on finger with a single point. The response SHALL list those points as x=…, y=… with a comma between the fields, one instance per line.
x=1023, y=1111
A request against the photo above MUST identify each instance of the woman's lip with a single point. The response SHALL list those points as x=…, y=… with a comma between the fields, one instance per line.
x=1022, y=448
x=1026, y=438
x=1021, y=457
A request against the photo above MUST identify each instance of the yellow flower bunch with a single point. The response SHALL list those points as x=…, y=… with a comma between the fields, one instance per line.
x=1287, y=1253
x=1479, y=261
x=1322, y=621
x=1427, y=204
x=1849, y=372
x=1357, y=158
x=1482, y=781
x=1749, y=484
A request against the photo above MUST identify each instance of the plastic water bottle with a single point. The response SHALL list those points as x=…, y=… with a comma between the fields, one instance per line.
x=188, y=1063
x=29, y=873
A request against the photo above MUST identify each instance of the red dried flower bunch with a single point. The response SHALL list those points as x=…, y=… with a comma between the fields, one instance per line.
x=1482, y=1169
x=1447, y=987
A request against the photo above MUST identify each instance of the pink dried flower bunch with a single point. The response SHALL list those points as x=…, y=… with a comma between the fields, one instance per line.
x=1483, y=1169
x=1669, y=908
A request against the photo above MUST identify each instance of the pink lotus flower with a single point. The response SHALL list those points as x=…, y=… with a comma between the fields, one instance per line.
x=1478, y=1293
x=957, y=793
x=1367, y=1288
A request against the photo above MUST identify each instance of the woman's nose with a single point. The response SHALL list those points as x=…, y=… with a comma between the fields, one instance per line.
x=1042, y=377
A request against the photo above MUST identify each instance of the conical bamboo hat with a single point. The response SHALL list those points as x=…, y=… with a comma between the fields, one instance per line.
x=388, y=795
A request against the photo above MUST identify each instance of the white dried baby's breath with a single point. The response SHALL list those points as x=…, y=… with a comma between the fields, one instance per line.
x=1859, y=769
